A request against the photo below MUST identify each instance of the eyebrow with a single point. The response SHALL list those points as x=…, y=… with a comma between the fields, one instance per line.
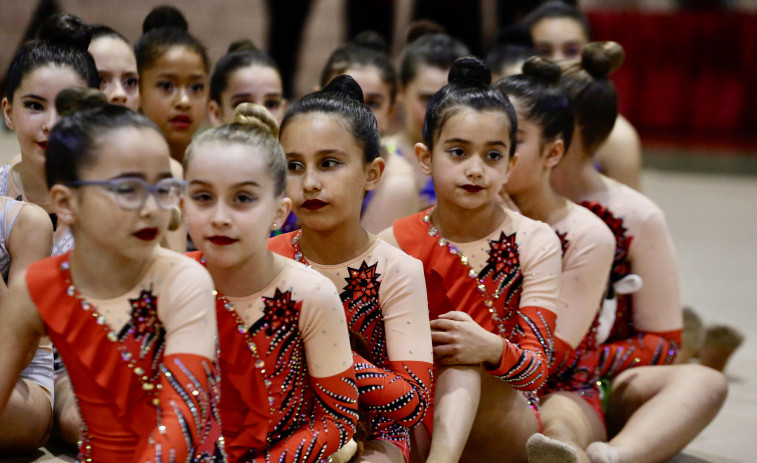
x=460, y=140
x=236, y=185
x=171, y=75
x=31, y=95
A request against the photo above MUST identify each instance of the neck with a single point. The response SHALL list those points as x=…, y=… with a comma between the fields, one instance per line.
x=103, y=274
x=540, y=202
x=178, y=150
x=248, y=277
x=336, y=245
x=577, y=179
x=466, y=225
x=33, y=183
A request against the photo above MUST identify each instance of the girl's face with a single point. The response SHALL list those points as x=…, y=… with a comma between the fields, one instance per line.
x=174, y=94
x=327, y=175
x=117, y=68
x=559, y=39
x=32, y=114
x=415, y=97
x=93, y=212
x=230, y=207
x=470, y=160
x=376, y=94
x=251, y=84
x=528, y=172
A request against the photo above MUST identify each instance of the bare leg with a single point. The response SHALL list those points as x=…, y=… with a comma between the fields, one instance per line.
x=568, y=419
x=380, y=451
x=27, y=419
x=456, y=397
x=684, y=398
x=420, y=444
x=67, y=419
x=503, y=424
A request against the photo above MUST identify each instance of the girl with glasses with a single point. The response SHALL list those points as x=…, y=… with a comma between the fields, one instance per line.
x=134, y=323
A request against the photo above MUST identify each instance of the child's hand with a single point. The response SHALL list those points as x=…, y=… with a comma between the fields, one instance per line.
x=459, y=340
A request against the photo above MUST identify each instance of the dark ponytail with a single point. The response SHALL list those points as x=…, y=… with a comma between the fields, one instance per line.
x=86, y=117
x=541, y=99
x=344, y=98
x=62, y=41
x=468, y=86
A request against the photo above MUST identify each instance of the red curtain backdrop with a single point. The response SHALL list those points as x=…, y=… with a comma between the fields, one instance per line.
x=687, y=76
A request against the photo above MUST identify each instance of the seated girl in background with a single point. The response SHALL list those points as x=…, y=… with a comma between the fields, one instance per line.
x=116, y=66
x=423, y=71
x=26, y=235
x=133, y=323
x=173, y=77
x=244, y=75
x=331, y=143
x=492, y=276
x=638, y=348
x=288, y=387
x=365, y=60
x=571, y=408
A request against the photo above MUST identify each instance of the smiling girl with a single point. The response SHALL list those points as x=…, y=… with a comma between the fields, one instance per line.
x=571, y=408
x=173, y=77
x=288, y=387
x=133, y=323
x=331, y=143
x=492, y=275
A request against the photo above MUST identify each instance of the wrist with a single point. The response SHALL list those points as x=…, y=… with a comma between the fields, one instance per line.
x=495, y=348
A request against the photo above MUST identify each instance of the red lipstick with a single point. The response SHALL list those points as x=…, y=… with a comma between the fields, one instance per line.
x=43, y=145
x=147, y=234
x=222, y=240
x=313, y=204
x=181, y=122
x=472, y=188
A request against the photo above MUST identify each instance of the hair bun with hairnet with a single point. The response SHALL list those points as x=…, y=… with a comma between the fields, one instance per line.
x=255, y=115
x=542, y=70
x=602, y=58
x=470, y=71
x=164, y=16
x=345, y=85
x=63, y=28
x=75, y=99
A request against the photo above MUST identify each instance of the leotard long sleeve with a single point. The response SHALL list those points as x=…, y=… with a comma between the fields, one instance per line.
x=648, y=322
x=384, y=298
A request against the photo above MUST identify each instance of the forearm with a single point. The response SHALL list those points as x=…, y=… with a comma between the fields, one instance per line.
x=646, y=348
x=329, y=428
x=400, y=392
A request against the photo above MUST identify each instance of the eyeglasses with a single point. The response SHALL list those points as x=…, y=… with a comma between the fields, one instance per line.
x=130, y=193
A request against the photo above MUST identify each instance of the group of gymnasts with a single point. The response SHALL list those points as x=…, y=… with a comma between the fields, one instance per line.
x=470, y=288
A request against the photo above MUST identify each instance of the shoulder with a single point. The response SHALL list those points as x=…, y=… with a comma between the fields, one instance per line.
x=623, y=133
x=396, y=258
x=585, y=226
x=529, y=231
x=634, y=206
x=174, y=265
x=308, y=283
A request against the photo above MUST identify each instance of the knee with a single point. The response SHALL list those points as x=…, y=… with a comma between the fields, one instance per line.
x=713, y=384
x=69, y=424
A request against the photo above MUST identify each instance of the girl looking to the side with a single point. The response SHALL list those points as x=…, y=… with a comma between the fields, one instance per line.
x=571, y=409
x=133, y=323
x=173, y=77
x=288, y=387
x=492, y=276
x=332, y=147
x=423, y=71
x=244, y=75
x=364, y=59
x=116, y=66
x=635, y=355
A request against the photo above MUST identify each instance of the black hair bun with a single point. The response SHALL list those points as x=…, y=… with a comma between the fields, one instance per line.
x=67, y=29
x=345, y=85
x=164, y=16
x=241, y=45
x=370, y=39
x=74, y=99
x=469, y=71
x=421, y=27
x=602, y=58
x=542, y=70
